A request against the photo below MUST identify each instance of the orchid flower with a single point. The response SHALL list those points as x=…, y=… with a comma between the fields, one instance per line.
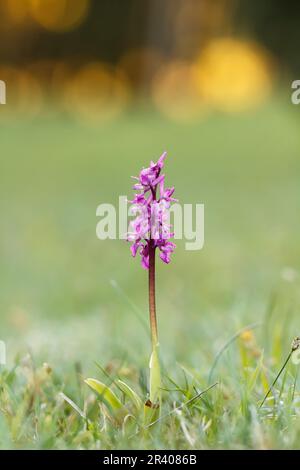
x=150, y=231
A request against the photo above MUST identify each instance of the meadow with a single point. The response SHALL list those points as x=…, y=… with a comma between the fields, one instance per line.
x=74, y=307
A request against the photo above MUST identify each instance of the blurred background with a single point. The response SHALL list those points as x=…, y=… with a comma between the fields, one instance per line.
x=95, y=89
x=94, y=60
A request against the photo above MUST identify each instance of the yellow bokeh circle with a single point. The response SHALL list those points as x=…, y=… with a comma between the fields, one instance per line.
x=59, y=15
x=96, y=93
x=233, y=75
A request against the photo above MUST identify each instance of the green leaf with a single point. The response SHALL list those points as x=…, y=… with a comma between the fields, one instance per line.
x=152, y=406
x=131, y=394
x=73, y=405
x=155, y=380
x=105, y=394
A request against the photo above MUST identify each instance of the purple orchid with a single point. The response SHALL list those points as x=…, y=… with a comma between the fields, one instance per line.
x=151, y=205
x=151, y=230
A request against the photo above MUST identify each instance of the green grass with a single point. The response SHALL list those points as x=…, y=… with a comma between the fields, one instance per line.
x=59, y=305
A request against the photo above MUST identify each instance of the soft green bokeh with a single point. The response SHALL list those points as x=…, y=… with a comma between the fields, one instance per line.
x=57, y=300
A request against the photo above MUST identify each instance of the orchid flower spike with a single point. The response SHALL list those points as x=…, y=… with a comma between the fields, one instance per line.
x=151, y=205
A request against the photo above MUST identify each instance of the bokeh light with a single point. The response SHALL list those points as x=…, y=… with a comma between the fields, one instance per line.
x=234, y=75
x=96, y=93
x=59, y=15
x=24, y=95
x=175, y=94
x=17, y=11
x=52, y=75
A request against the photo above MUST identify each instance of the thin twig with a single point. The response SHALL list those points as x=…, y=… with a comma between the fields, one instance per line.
x=295, y=347
x=276, y=378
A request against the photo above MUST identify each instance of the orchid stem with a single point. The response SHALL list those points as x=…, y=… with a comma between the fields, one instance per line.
x=152, y=301
x=155, y=379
